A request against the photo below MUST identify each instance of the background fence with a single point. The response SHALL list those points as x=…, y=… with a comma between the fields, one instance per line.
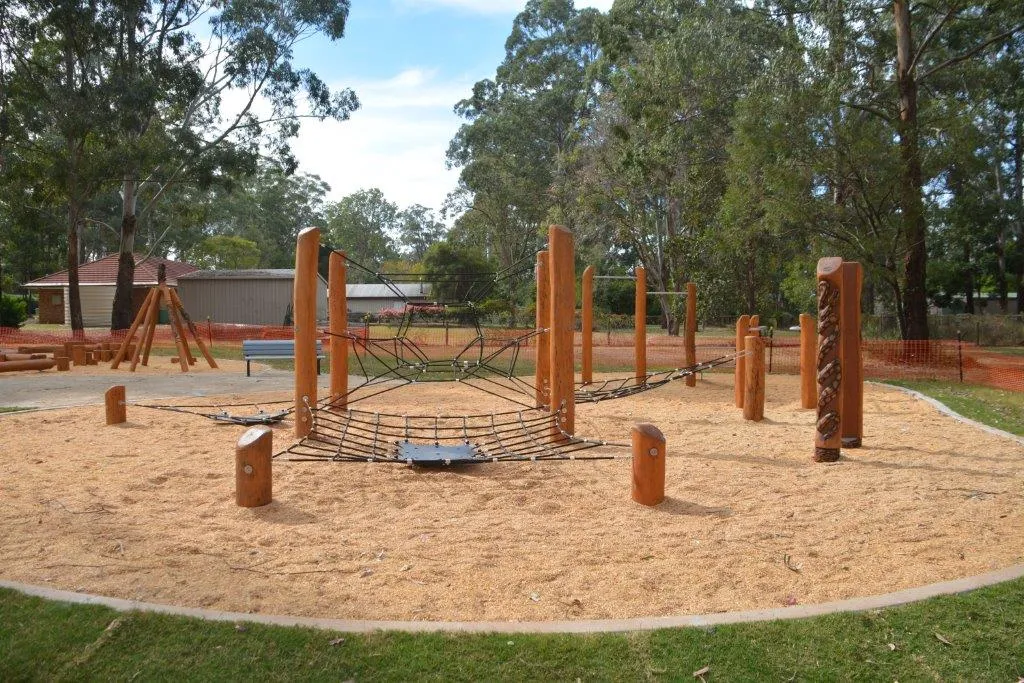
x=940, y=359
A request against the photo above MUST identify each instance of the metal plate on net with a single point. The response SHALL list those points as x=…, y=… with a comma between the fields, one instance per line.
x=430, y=454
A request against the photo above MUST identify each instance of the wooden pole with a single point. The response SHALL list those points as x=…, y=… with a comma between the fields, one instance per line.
x=691, y=331
x=755, y=322
x=37, y=364
x=640, y=325
x=742, y=329
x=753, y=383
x=587, y=326
x=147, y=340
x=193, y=330
x=304, y=317
x=852, y=429
x=542, y=373
x=114, y=399
x=253, y=474
x=78, y=354
x=148, y=329
x=827, y=438
x=337, y=301
x=123, y=350
x=563, y=308
x=184, y=355
x=808, y=352
x=648, y=464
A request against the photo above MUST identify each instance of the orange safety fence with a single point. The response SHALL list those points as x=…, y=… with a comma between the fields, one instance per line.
x=947, y=360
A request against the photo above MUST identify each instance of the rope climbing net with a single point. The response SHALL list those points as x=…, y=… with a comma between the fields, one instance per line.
x=603, y=390
x=360, y=436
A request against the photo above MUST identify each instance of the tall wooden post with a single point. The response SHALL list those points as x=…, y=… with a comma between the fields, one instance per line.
x=691, y=331
x=827, y=439
x=648, y=464
x=808, y=352
x=304, y=316
x=753, y=381
x=563, y=309
x=114, y=402
x=742, y=329
x=852, y=430
x=337, y=300
x=253, y=474
x=587, y=326
x=542, y=371
x=640, y=325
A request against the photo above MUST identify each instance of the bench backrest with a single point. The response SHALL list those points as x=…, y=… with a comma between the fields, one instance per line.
x=274, y=347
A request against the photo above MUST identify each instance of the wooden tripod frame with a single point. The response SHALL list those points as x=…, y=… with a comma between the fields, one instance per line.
x=148, y=316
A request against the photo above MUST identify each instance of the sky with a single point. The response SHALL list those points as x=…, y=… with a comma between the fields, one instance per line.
x=409, y=62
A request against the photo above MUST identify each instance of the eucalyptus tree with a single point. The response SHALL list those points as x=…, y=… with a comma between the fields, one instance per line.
x=55, y=114
x=363, y=225
x=518, y=149
x=175, y=123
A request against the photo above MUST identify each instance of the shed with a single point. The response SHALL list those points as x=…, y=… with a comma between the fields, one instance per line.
x=251, y=297
x=96, y=283
x=372, y=298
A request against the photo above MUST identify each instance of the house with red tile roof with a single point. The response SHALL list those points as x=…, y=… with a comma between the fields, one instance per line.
x=96, y=283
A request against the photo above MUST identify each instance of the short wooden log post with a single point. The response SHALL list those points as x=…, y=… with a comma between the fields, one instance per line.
x=753, y=383
x=304, y=317
x=827, y=436
x=337, y=302
x=78, y=354
x=852, y=429
x=742, y=329
x=114, y=400
x=253, y=475
x=640, y=325
x=648, y=464
x=587, y=327
x=542, y=370
x=563, y=309
x=691, y=331
x=808, y=352
x=63, y=363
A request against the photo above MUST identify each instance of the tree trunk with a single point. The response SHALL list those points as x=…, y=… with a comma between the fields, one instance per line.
x=74, y=300
x=969, y=282
x=121, y=315
x=750, y=292
x=915, y=301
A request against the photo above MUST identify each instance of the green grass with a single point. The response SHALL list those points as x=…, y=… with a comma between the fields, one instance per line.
x=996, y=407
x=1005, y=350
x=41, y=640
x=12, y=409
x=974, y=636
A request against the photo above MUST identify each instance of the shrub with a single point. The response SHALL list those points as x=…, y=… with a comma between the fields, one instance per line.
x=13, y=311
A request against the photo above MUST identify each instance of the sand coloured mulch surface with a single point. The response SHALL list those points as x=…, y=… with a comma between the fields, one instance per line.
x=146, y=511
x=158, y=365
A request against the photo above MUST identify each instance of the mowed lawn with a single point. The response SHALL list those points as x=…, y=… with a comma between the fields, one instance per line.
x=977, y=636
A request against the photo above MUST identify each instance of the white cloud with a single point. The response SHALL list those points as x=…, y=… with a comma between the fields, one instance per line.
x=396, y=141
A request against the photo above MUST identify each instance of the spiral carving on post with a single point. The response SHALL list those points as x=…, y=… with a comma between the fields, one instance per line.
x=829, y=370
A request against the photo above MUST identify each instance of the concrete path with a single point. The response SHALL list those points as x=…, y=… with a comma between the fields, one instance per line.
x=61, y=390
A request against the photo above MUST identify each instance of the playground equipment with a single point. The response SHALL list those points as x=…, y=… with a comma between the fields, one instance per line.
x=639, y=326
x=840, y=363
x=116, y=405
x=753, y=378
x=253, y=473
x=808, y=351
x=648, y=464
x=148, y=317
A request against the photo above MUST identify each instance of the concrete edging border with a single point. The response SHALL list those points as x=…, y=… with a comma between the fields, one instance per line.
x=583, y=626
x=949, y=412
x=860, y=604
